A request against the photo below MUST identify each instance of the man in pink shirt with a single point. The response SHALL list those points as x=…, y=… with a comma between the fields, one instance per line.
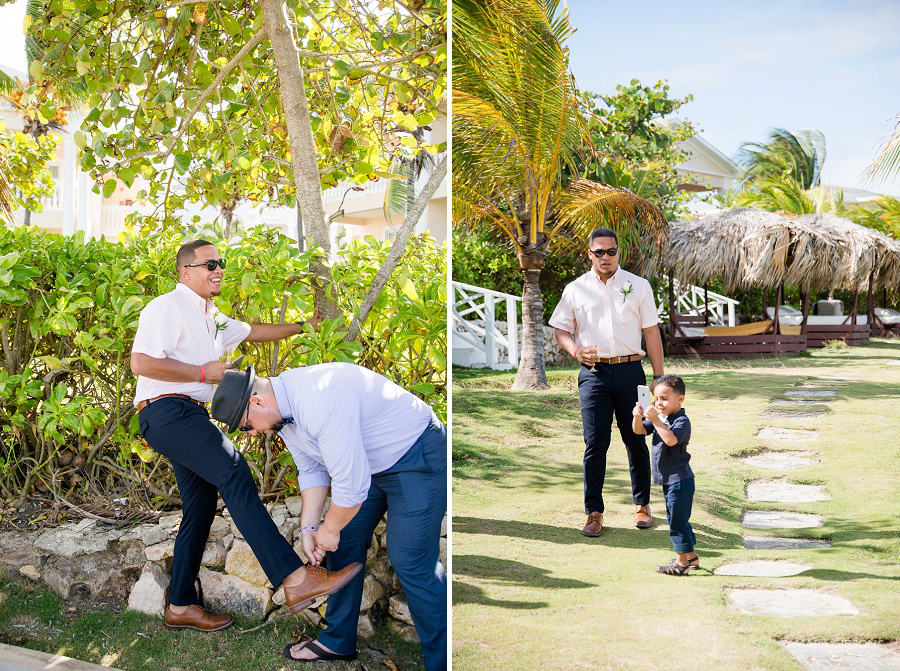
x=600, y=321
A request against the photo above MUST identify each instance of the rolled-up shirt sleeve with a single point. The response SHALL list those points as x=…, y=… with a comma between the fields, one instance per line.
x=310, y=473
x=649, y=314
x=157, y=334
x=334, y=423
x=563, y=316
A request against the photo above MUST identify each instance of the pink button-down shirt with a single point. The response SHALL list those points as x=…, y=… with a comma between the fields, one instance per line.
x=610, y=316
x=186, y=327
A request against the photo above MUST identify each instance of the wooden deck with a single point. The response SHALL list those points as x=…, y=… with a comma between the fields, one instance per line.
x=818, y=335
x=23, y=659
x=739, y=342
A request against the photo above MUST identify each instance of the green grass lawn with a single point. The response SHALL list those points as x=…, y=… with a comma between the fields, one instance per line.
x=530, y=592
x=31, y=616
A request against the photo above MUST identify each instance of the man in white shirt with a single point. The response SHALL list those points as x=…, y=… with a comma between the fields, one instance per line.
x=180, y=337
x=382, y=450
x=600, y=320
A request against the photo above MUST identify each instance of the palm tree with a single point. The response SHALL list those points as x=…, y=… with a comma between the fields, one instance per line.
x=516, y=133
x=887, y=163
x=783, y=193
x=799, y=155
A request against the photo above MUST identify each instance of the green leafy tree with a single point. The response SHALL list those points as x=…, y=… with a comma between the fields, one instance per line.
x=635, y=142
x=265, y=100
x=799, y=155
x=517, y=130
x=24, y=177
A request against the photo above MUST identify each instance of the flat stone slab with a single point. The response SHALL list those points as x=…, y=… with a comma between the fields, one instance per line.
x=763, y=569
x=767, y=543
x=785, y=492
x=893, y=363
x=784, y=401
x=765, y=519
x=777, y=433
x=845, y=656
x=776, y=413
x=779, y=460
x=800, y=393
x=13, y=658
x=789, y=603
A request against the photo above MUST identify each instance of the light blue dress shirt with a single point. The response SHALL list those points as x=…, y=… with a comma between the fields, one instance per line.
x=349, y=423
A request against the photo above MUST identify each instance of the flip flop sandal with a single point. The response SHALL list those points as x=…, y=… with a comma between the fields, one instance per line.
x=673, y=569
x=322, y=653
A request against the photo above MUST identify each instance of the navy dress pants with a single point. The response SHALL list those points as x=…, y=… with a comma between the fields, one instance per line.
x=610, y=391
x=414, y=494
x=207, y=464
x=679, y=498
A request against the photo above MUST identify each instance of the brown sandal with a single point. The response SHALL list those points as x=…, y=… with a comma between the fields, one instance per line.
x=693, y=563
x=674, y=569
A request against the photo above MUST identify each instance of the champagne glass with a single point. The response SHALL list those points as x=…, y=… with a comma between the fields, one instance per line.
x=593, y=351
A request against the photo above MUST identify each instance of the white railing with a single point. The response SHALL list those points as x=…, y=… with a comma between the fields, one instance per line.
x=112, y=218
x=487, y=341
x=355, y=190
x=694, y=301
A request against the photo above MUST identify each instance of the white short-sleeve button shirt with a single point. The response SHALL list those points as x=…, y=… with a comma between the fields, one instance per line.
x=186, y=327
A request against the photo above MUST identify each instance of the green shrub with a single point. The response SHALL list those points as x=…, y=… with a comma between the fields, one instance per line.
x=68, y=314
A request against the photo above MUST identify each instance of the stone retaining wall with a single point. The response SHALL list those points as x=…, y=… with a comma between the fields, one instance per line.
x=91, y=559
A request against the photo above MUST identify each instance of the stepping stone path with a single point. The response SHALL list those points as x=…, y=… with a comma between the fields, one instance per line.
x=844, y=656
x=893, y=363
x=785, y=492
x=779, y=460
x=774, y=433
x=789, y=603
x=763, y=519
x=784, y=401
x=793, y=414
x=811, y=394
x=768, y=543
x=763, y=569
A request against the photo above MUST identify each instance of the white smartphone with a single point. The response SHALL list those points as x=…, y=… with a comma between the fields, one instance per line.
x=644, y=397
x=236, y=364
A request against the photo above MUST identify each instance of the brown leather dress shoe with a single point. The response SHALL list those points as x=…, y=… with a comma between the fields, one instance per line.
x=196, y=618
x=642, y=517
x=594, y=525
x=318, y=582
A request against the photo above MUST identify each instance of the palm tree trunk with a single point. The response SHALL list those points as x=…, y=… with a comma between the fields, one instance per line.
x=27, y=221
x=531, y=375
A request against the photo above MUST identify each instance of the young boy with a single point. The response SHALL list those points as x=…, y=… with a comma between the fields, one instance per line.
x=671, y=432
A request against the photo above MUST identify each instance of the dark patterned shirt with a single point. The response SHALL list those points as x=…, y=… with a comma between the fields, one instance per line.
x=670, y=464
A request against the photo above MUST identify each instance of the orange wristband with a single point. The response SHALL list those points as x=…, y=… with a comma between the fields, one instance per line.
x=202, y=374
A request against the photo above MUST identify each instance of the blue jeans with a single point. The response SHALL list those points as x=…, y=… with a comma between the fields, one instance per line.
x=414, y=493
x=679, y=497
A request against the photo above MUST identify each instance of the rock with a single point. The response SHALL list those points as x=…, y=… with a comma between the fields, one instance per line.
x=228, y=540
x=380, y=569
x=85, y=524
x=364, y=626
x=294, y=504
x=444, y=552
x=219, y=529
x=17, y=549
x=170, y=521
x=444, y=527
x=235, y=531
x=30, y=572
x=151, y=534
x=405, y=631
x=214, y=554
x=288, y=529
x=148, y=595
x=65, y=541
x=382, y=525
x=372, y=552
x=372, y=591
x=241, y=562
x=399, y=609
x=278, y=598
x=279, y=519
x=160, y=551
x=229, y=594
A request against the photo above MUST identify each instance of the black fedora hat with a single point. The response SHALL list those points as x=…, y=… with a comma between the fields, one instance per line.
x=231, y=398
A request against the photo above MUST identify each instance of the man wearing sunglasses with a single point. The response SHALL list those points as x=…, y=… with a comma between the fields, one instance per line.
x=381, y=449
x=181, y=336
x=600, y=321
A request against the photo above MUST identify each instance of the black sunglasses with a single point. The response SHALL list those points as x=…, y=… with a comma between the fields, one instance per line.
x=600, y=253
x=210, y=265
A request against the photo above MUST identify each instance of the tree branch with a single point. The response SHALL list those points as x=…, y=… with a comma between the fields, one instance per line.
x=397, y=249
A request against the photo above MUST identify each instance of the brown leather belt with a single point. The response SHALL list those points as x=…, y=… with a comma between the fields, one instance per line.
x=144, y=404
x=617, y=359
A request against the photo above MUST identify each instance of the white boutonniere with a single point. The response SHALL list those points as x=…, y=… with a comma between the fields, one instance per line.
x=627, y=289
x=221, y=325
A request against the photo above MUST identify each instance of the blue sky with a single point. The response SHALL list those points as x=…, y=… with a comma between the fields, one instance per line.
x=754, y=66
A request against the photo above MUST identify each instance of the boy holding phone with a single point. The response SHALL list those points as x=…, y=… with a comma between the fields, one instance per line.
x=671, y=430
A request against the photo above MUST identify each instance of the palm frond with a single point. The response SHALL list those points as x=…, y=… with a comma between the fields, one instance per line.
x=887, y=164
x=799, y=155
